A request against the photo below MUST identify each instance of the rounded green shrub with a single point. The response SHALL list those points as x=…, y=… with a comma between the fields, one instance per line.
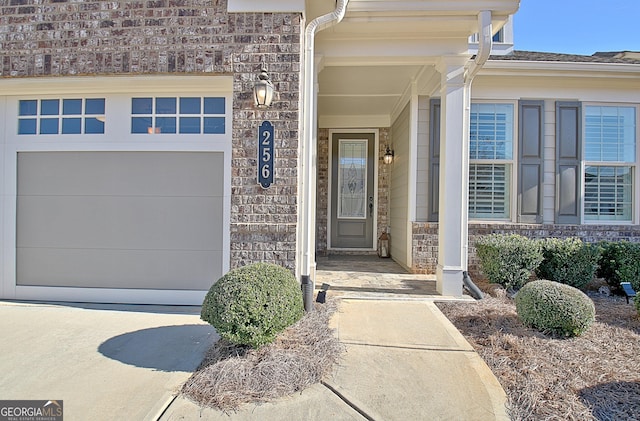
x=508, y=260
x=620, y=262
x=568, y=261
x=252, y=304
x=555, y=308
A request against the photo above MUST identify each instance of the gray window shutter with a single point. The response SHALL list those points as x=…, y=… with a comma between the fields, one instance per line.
x=434, y=160
x=568, y=153
x=530, y=161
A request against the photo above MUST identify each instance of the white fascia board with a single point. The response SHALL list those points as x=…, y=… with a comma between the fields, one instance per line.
x=273, y=6
x=115, y=84
x=553, y=68
x=462, y=6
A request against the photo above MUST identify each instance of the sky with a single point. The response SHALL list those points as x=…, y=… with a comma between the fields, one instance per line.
x=577, y=26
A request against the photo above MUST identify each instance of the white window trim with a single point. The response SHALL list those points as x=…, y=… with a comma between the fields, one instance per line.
x=513, y=197
x=635, y=211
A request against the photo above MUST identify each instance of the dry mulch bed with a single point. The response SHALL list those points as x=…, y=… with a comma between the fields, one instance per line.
x=592, y=377
x=231, y=375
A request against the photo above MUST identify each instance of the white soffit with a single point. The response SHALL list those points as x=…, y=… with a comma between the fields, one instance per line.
x=273, y=6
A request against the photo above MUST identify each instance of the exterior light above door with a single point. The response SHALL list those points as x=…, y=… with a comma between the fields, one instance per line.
x=388, y=156
x=263, y=89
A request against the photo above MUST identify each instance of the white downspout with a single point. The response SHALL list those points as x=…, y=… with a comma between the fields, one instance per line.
x=308, y=148
x=485, y=42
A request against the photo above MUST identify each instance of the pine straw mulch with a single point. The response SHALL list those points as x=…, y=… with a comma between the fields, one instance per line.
x=593, y=377
x=231, y=375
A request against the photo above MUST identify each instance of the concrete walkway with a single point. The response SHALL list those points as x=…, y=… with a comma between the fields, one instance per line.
x=404, y=361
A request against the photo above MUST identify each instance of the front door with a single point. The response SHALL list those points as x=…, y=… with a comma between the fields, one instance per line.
x=352, y=190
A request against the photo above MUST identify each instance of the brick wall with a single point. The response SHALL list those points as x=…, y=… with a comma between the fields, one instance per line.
x=61, y=38
x=425, y=238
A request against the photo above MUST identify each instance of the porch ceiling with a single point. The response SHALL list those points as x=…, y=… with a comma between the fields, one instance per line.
x=364, y=92
x=385, y=51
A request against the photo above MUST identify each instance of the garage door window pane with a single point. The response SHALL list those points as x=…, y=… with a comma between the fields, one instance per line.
x=71, y=107
x=93, y=126
x=165, y=106
x=50, y=107
x=49, y=126
x=141, y=106
x=190, y=106
x=189, y=124
x=71, y=125
x=28, y=107
x=214, y=105
x=94, y=106
x=27, y=126
x=165, y=124
x=214, y=125
x=141, y=125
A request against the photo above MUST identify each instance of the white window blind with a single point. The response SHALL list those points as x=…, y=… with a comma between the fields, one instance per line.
x=491, y=154
x=610, y=153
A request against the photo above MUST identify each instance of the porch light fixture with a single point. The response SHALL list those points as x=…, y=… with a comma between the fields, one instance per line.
x=263, y=89
x=388, y=156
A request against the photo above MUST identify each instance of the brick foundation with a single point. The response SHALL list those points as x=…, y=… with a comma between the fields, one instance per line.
x=425, y=238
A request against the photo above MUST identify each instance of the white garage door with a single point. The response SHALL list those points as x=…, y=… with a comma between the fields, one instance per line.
x=142, y=220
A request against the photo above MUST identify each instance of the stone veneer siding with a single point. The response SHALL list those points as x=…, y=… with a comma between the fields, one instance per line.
x=322, y=191
x=189, y=37
x=425, y=239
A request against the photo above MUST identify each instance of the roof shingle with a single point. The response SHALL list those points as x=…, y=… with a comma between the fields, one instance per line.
x=624, y=57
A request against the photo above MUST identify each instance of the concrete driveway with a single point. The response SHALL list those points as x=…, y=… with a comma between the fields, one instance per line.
x=105, y=362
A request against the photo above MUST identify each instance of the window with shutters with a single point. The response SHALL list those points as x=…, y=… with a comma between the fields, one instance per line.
x=609, y=162
x=491, y=160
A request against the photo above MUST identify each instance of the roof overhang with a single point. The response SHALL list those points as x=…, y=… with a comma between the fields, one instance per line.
x=384, y=52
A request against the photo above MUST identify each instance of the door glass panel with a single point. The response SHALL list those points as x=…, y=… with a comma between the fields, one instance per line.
x=352, y=179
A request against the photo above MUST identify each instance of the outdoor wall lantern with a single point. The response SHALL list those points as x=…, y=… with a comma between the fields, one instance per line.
x=388, y=156
x=263, y=89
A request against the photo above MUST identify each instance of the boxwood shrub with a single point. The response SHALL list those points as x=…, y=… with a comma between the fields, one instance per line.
x=568, y=261
x=620, y=262
x=252, y=304
x=555, y=308
x=508, y=259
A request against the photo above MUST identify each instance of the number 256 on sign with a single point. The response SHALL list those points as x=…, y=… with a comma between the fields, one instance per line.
x=265, y=154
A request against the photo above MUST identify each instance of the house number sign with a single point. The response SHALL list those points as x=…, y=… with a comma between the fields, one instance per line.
x=265, y=154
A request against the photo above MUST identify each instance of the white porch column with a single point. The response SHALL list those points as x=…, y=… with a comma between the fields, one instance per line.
x=454, y=177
